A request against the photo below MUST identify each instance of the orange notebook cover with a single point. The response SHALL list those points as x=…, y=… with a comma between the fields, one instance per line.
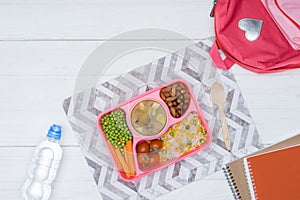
x=274, y=175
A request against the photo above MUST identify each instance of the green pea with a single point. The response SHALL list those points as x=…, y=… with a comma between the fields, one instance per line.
x=115, y=128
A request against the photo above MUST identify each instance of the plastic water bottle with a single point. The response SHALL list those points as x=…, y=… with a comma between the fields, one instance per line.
x=43, y=167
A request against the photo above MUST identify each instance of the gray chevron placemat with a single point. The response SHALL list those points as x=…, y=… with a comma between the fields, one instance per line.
x=192, y=64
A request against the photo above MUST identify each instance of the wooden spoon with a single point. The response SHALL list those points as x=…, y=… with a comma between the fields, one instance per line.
x=218, y=97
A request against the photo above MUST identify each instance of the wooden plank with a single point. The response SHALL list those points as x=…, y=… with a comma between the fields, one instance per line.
x=66, y=58
x=102, y=20
x=273, y=102
x=43, y=58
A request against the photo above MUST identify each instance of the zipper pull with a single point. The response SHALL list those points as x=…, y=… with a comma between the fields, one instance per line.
x=213, y=9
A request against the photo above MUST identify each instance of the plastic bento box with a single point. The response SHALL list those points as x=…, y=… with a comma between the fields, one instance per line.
x=153, y=130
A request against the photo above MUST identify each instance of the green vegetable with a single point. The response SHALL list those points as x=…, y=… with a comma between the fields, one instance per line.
x=195, y=122
x=115, y=129
x=153, y=149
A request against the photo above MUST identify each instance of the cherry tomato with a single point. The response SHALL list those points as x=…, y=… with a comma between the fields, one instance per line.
x=153, y=159
x=142, y=147
x=156, y=144
x=143, y=158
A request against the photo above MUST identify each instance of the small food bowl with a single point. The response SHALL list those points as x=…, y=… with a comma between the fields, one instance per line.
x=148, y=117
x=154, y=130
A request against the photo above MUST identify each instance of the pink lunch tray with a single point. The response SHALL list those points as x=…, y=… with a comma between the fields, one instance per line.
x=154, y=95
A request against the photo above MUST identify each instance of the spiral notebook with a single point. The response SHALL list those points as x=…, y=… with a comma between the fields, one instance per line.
x=274, y=175
x=235, y=172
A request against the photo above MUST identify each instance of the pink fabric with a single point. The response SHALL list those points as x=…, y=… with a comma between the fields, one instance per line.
x=271, y=52
x=286, y=14
x=218, y=61
x=291, y=8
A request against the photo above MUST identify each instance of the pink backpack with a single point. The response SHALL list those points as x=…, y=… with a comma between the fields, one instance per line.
x=249, y=32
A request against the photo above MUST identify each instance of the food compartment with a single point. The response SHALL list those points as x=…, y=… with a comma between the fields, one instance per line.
x=177, y=97
x=148, y=117
x=147, y=154
x=119, y=140
x=183, y=138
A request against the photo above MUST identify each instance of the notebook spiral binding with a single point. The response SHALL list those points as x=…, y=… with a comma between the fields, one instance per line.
x=250, y=180
x=232, y=184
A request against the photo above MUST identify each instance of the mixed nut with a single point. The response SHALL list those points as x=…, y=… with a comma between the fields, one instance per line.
x=177, y=97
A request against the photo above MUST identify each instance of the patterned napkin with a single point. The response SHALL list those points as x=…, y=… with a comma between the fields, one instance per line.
x=192, y=64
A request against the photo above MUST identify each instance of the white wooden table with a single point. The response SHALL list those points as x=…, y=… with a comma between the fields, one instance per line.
x=43, y=44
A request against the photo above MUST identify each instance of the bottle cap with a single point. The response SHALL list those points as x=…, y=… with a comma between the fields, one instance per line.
x=54, y=132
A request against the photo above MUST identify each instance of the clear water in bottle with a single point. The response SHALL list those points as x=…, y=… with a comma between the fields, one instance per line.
x=44, y=166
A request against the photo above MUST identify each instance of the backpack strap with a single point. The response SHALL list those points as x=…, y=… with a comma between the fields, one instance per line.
x=225, y=64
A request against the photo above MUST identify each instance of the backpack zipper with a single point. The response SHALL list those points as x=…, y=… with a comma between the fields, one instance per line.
x=213, y=9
